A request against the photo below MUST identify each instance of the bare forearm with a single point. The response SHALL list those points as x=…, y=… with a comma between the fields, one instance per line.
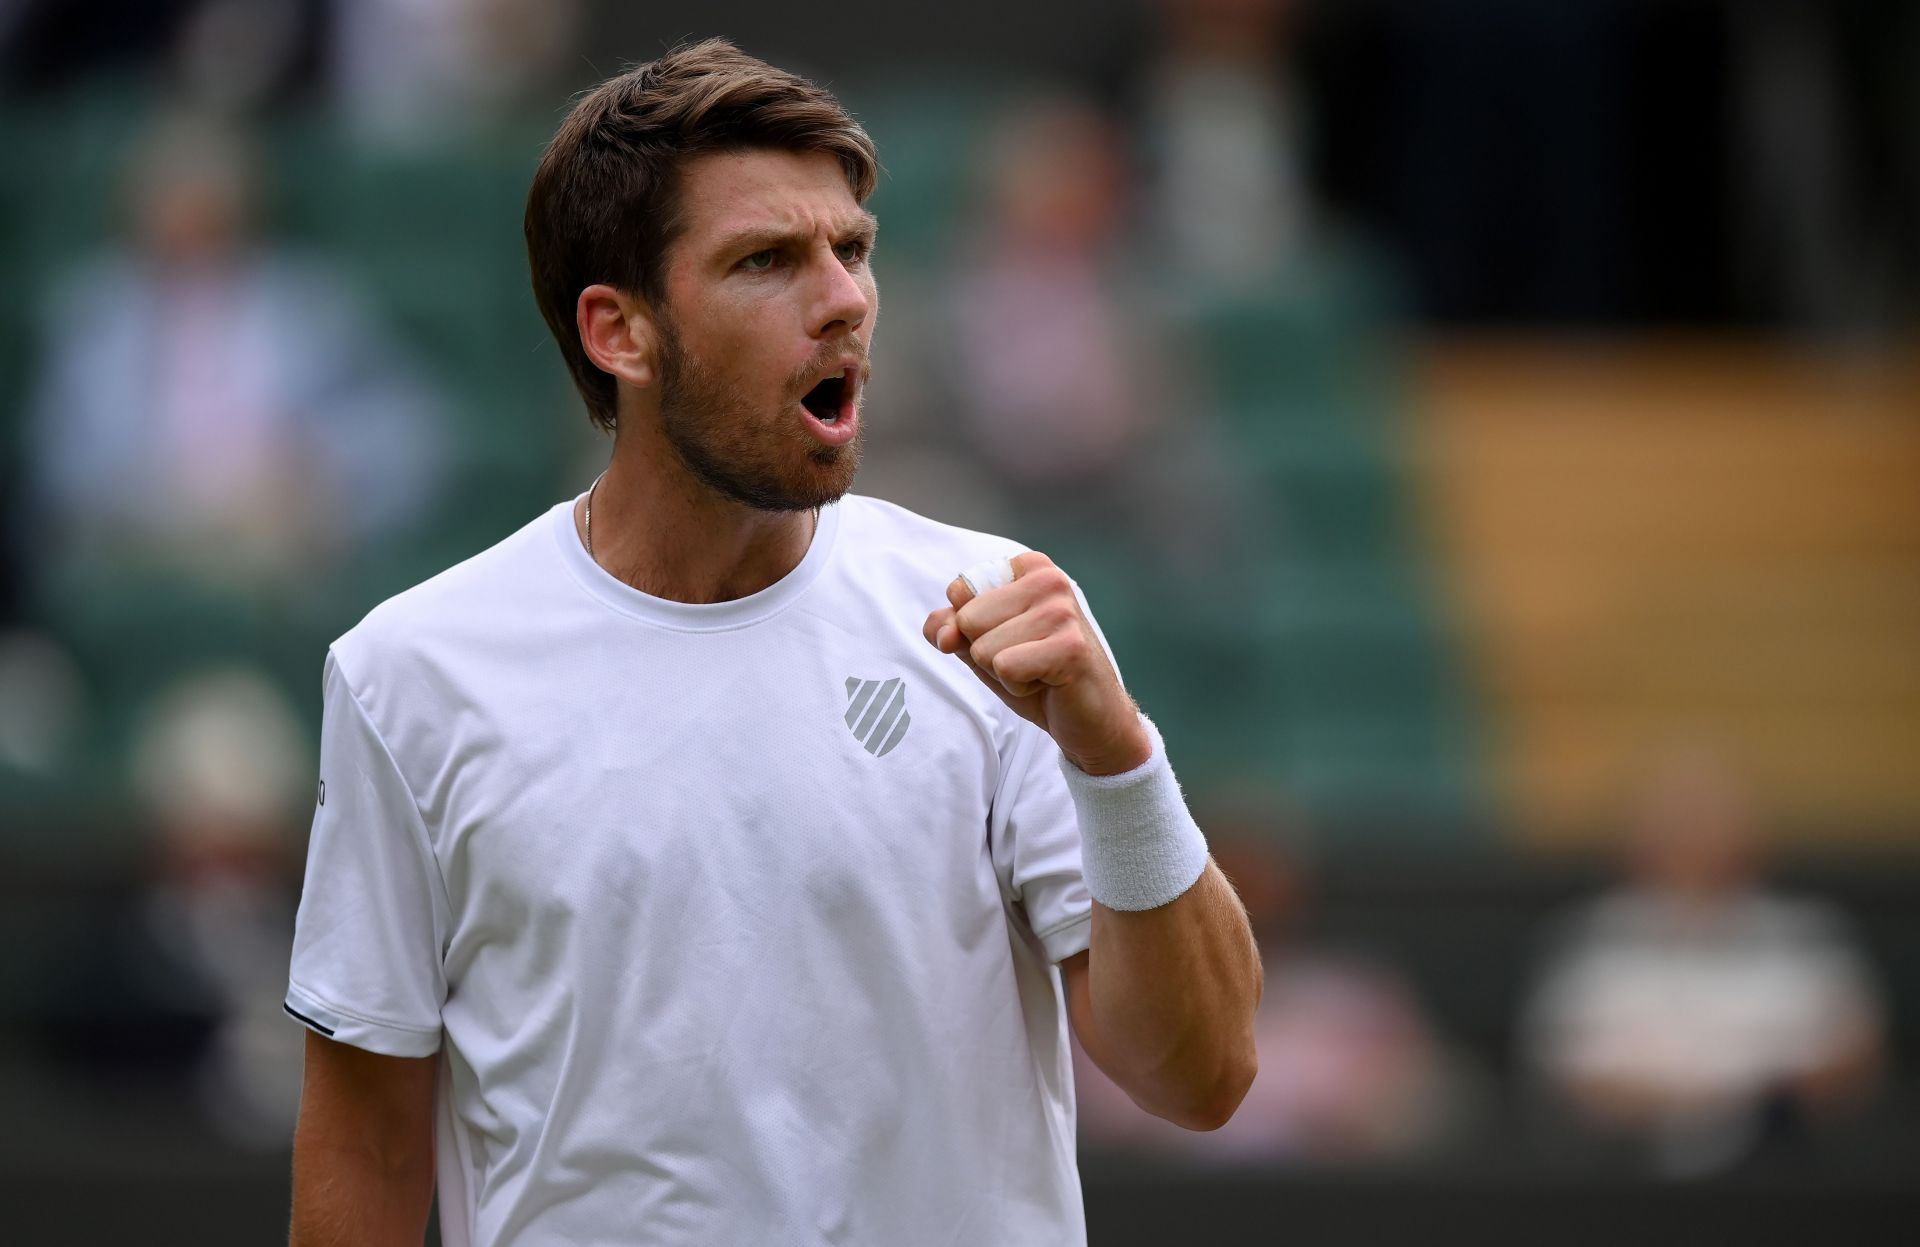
x=1171, y=994
x=344, y=1197
x=363, y=1148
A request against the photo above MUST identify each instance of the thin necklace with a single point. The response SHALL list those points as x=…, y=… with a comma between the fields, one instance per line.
x=590, y=489
x=596, y=485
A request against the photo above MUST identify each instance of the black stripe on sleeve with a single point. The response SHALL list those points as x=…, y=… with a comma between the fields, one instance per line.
x=301, y=1017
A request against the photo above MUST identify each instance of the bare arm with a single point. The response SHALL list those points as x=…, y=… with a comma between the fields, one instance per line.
x=1163, y=1002
x=363, y=1149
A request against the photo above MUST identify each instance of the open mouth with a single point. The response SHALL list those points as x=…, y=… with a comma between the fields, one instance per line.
x=831, y=409
x=826, y=400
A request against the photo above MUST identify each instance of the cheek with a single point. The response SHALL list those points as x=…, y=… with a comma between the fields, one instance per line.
x=742, y=346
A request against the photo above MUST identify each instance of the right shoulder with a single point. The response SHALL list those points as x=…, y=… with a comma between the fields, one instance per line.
x=450, y=620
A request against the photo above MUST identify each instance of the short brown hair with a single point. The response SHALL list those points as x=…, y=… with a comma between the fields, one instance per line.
x=603, y=203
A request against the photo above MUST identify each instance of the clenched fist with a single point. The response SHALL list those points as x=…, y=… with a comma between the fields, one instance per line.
x=1030, y=643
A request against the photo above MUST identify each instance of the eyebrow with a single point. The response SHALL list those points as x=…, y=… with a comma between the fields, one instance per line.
x=753, y=239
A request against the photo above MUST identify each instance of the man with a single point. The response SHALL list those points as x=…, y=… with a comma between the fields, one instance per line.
x=1694, y=1019
x=673, y=881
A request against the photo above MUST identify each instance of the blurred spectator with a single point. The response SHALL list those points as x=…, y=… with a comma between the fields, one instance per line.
x=236, y=54
x=213, y=404
x=1049, y=376
x=1221, y=131
x=220, y=435
x=1691, y=1014
x=415, y=72
x=1350, y=1070
x=1061, y=368
x=219, y=762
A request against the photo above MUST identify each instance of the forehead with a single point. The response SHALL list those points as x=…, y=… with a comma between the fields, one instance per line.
x=725, y=193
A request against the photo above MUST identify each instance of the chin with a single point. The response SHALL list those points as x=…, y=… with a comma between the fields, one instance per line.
x=828, y=482
x=837, y=466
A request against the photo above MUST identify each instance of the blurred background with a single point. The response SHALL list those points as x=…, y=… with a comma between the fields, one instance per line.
x=1488, y=432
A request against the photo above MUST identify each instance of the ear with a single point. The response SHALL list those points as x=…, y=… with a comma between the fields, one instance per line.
x=617, y=333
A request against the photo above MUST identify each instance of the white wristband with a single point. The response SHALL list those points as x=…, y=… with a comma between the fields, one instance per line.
x=1139, y=846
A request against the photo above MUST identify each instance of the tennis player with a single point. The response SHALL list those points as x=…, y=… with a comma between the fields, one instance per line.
x=710, y=862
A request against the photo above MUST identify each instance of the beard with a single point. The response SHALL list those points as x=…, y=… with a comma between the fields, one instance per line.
x=738, y=449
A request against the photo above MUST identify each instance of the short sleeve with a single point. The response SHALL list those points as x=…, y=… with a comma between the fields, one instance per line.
x=1036, y=833
x=1036, y=846
x=368, y=940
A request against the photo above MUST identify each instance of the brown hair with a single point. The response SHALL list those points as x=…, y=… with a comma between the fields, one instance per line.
x=603, y=208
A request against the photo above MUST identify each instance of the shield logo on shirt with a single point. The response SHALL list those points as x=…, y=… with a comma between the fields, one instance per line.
x=877, y=713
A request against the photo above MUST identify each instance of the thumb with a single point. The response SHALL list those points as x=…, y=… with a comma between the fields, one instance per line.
x=936, y=628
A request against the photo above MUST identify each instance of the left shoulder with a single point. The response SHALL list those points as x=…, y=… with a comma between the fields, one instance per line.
x=884, y=536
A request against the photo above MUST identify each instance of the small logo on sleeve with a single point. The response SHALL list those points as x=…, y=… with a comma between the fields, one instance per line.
x=877, y=713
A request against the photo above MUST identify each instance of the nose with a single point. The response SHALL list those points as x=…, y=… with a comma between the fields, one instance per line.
x=842, y=300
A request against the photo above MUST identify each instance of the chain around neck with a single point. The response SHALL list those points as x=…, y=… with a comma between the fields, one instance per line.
x=590, y=489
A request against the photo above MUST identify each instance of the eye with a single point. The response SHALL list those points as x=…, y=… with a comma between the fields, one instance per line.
x=759, y=261
x=853, y=252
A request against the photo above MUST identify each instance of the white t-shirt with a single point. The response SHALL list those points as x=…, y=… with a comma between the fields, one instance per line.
x=732, y=923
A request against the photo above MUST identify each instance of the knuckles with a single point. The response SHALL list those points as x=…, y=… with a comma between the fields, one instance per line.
x=1050, y=580
x=1056, y=613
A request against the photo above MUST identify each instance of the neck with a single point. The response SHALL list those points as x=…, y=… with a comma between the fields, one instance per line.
x=666, y=534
